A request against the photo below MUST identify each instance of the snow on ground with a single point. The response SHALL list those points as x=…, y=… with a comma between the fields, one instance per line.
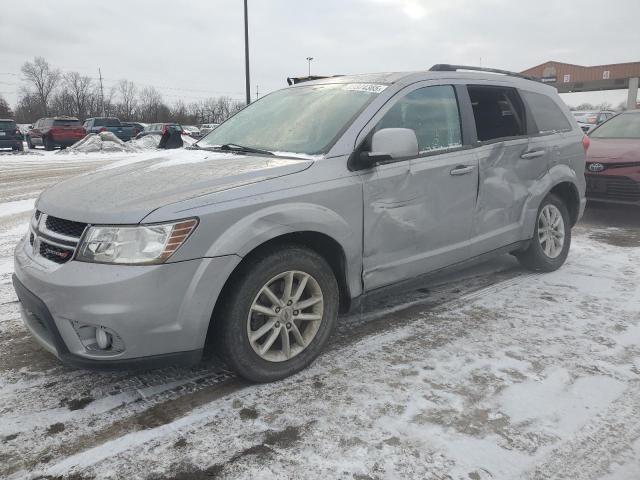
x=489, y=373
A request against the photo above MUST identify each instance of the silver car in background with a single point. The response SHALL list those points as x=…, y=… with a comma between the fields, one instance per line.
x=207, y=127
x=295, y=209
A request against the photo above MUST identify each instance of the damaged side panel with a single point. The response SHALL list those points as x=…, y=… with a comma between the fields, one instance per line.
x=506, y=183
x=417, y=216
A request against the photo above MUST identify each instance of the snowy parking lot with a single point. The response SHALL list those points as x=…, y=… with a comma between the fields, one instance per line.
x=489, y=373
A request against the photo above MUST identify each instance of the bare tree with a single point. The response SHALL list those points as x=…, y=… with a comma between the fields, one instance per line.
x=128, y=100
x=42, y=78
x=5, y=110
x=80, y=89
x=151, y=105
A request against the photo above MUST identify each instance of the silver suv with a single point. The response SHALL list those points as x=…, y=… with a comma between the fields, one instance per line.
x=294, y=209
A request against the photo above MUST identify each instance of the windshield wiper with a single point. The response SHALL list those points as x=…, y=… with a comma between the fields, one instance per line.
x=234, y=147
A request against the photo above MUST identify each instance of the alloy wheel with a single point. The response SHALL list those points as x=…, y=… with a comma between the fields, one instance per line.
x=551, y=231
x=285, y=316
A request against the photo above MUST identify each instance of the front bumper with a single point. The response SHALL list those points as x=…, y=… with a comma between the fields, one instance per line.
x=161, y=313
x=608, y=188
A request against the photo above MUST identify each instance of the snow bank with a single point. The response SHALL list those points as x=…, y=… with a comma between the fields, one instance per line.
x=146, y=142
x=101, y=142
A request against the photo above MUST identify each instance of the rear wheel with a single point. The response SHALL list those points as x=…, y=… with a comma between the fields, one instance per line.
x=279, y=311
x=551, y=238
x=48, y=143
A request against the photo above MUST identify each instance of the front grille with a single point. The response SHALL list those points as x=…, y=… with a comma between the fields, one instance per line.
x=55, y=253
x=54, y=238
x=613, y=188
x=65, y=227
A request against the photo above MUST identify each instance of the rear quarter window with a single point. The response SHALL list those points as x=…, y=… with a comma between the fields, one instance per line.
x=4, y=125
x=547, y=114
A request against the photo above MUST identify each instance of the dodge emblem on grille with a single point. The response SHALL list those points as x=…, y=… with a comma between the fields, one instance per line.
x=57, y=253
x=596, y=167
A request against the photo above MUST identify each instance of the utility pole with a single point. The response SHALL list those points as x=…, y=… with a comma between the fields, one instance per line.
x=309, y=61
x=101, y=92
x=246, y=53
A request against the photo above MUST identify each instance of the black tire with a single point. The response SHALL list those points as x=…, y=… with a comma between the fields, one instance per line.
x=48, y=143
x=230, y=326
x=29, y=144
x=534, y=257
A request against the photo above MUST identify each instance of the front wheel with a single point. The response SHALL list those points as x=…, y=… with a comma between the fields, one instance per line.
x=278, y=313
x=551, y=240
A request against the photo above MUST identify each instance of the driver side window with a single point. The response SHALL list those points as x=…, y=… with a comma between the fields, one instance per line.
x=432, y=113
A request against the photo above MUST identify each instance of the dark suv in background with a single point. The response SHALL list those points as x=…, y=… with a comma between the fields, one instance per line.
x=10, y=135
x=55, y=132
x=160, y=129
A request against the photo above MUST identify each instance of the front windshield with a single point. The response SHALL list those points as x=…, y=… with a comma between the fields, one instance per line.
x=304, y=119
x=622, y=126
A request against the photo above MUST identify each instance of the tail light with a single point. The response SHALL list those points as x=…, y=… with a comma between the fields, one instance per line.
x=164, y=130
x=103, y=129
x=585, y=143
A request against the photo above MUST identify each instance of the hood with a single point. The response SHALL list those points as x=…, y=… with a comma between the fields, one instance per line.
x=618, y=150
x=128, y=190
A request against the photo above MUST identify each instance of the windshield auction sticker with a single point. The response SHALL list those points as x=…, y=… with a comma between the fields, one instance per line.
x=365, y=87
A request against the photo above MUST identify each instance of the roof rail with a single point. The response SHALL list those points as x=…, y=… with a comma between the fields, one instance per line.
x=443, y=67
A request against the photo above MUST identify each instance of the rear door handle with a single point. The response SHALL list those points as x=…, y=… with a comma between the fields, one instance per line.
x=462, y=170
x=533, y=154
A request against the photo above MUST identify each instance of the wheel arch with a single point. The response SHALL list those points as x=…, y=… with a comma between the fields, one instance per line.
x=324, y=245
x=568, y=192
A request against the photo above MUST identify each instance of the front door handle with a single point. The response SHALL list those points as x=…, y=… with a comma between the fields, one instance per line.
x=462, y=170
x=533, y=154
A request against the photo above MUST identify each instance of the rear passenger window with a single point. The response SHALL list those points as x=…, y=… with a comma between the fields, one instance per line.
x=548, y=116
x=498, y=112
x=432, y=113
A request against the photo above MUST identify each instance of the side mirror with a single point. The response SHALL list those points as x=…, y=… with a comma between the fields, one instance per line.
x=390, y=144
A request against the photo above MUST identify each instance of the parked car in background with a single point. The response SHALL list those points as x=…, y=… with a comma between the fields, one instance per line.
x=205, y=128
x=10, y=135
x=159, y=129
x=294, y=209
x=192, y=131
x=55, y=132
x=613, y=160
x=136, y=126
x=590, y=119
x=109, y=124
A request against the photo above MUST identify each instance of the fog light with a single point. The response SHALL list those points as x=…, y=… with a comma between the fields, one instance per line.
x=103, y=339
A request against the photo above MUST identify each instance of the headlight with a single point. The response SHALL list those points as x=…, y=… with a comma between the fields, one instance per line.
x=140, y=244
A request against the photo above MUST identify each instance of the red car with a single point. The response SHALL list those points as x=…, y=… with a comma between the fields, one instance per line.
x=55, y=132
x=613, y=160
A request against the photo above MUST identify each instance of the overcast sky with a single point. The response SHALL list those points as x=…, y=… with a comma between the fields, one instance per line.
x=194, y=49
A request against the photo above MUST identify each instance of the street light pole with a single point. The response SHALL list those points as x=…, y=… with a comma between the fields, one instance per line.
x=246, y=53
x=309, y=60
